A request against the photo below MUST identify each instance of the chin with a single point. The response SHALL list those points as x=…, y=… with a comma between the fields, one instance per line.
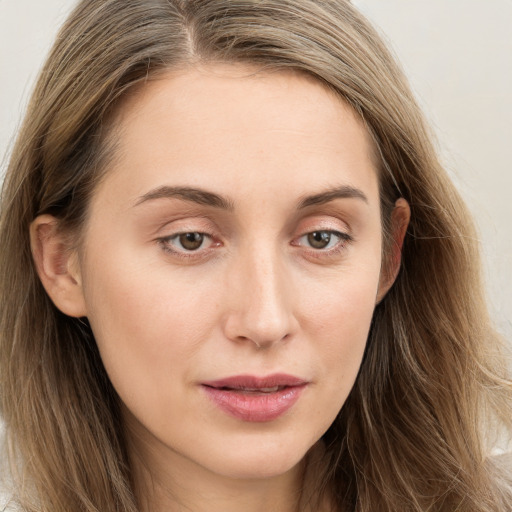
x=259, y=461
x=257, y=470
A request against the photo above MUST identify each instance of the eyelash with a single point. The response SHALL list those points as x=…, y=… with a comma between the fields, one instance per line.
x=343, y=240
x=166, y=244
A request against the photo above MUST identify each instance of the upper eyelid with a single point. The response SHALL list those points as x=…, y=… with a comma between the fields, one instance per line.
x=324, y=220
x=186, y=225
x=345, y=237
x=204, y=222
x=179, y=233
x=337, y=226
x=167, y=246
x=320, y=221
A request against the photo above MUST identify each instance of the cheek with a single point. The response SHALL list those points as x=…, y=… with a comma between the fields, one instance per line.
x=147, y=324
x=338, y=315
x=339, y=305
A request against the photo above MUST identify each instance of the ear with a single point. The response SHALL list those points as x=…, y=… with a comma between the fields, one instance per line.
x=57, y=265
x=400, y=217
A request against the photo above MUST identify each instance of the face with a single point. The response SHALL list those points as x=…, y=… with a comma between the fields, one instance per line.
x=231, y=265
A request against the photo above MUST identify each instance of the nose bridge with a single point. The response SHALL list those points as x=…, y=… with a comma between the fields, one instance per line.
x=262, y=309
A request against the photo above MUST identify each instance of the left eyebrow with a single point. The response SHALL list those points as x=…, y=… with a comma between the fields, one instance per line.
x=344, y=192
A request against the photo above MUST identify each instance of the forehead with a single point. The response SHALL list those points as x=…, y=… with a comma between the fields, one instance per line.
x=236, y=126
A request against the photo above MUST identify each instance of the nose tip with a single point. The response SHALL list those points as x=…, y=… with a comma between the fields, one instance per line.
x=261, y=311
x=263, y=330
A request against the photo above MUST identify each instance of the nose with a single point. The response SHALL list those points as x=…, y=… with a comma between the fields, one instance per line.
x=261, y=302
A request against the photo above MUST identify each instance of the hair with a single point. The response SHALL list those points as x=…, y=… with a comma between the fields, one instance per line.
x=417, y=430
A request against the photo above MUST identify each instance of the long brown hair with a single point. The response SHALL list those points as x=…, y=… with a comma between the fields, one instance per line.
x=417, y=429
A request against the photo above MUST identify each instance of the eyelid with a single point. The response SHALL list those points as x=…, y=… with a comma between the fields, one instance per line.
x=185, y=223
x=324, y=254
x=177, y=237
x=191, y=256
x=340, y=234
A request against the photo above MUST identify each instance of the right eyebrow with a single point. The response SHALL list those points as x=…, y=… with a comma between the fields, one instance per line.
x=195, y=195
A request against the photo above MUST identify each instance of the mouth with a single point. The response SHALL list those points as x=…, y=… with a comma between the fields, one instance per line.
x=255, y=399
x=243, y=390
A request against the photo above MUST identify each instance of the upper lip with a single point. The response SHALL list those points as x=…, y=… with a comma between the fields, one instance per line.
x=254, y=382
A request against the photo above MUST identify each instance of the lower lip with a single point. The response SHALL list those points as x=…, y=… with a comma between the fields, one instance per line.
x=255, y=407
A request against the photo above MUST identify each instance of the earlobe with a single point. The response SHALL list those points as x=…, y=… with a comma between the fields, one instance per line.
x=57, y=266
x=400, y=218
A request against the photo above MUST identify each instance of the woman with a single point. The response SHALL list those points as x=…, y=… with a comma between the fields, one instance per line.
x=235, y=276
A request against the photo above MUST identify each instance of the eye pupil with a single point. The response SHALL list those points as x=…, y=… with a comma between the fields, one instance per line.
x=319, y=239
x=191, y=241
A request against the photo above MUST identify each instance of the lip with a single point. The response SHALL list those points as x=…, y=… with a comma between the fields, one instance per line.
x=253, y=399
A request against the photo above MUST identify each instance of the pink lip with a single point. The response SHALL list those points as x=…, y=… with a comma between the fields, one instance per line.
x=243, y=396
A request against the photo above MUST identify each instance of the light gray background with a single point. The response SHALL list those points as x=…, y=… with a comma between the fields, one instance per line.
x=458, y=56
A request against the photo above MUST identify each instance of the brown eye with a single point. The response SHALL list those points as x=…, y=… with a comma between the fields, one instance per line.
x=191, y=241
x=188, y=243
x=319, y=239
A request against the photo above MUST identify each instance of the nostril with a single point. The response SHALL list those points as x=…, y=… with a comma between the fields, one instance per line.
x=264, y=316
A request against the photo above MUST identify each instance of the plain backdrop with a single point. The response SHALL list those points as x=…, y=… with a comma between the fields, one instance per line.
x=458, y=56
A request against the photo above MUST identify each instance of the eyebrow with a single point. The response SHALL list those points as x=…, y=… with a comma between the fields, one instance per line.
x=195, y=195
x=204, y=197
x=343, y=192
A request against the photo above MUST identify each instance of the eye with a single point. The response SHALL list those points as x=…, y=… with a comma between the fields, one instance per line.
x=323, y=239
x=186, y=242
x=320, y=239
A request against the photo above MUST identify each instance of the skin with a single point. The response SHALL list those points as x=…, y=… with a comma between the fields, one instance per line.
x=255, y=298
